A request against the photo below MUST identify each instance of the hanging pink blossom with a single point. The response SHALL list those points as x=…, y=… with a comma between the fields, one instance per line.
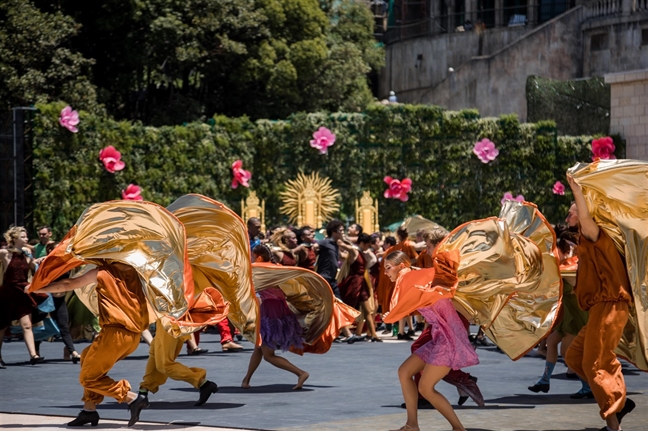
x=508, y=196
x=485, y=150
x=241, y=176
x=69, y=119
x=322, y=139
x=132, y=193
x=398, y=189
x=559, y=188
x=111, y=159
x=603, y=148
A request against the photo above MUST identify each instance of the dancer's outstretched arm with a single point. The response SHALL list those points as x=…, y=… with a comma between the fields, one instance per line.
x=588, y=227
x=70, y=283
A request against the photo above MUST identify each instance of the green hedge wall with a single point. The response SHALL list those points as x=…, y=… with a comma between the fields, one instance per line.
x=431, y=146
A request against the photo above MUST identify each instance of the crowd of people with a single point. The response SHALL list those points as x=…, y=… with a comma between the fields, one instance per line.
x=365, y=271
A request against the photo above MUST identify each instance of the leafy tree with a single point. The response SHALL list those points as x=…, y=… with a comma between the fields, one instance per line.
x=171, y=61
x=37, y=63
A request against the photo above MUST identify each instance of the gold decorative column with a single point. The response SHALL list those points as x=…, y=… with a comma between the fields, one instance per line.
x=366, y=214
x=250, y=208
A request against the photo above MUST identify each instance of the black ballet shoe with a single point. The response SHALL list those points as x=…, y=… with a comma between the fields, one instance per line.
x=539, y=387
x=206, y=390
x=140, y=403
x=580, y=395
x=627, y=408
x=85, y=417
x=36, y=359
x=376, y=340
x=76, y=359
x=462, y=399
x=198, y=351
x=404, y=337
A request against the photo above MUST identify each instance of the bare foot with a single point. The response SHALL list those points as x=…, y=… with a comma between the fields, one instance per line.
x=301, y=380
x=245, y=384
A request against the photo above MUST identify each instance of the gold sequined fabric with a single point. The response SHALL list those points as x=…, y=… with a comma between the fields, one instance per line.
x=509, y=281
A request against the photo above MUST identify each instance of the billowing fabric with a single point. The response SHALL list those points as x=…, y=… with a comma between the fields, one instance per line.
x=422, y=288
x=142, y=235
x=616, y=193
x=308, y=295
x=449, y=345
x=509, y=281
x=219, y=253
x=342, y=316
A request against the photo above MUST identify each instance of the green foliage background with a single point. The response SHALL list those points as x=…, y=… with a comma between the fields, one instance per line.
x=431, y=146
x=578, y=105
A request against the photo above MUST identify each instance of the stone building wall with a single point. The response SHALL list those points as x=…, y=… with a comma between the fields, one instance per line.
x=629, y=110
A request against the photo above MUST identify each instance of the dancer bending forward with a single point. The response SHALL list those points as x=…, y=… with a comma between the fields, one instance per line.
x=449, y=347
x=279, y=328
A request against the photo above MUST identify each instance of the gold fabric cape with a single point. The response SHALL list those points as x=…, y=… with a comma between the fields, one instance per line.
x=143, y=235
x=218, y=247
x=308, y=295
x=509, y=279
x=616, y=193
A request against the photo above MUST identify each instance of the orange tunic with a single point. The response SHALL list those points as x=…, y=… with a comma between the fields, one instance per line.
x=424, y=260
x=385, y=285
x=602, y=275
x=121, y=298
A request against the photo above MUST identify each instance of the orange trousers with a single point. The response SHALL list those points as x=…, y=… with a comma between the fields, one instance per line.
x=113, y=344
x=162, y=362
x=591, y=355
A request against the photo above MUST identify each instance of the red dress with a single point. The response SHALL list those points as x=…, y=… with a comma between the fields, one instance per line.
x=353, y=288
x=288, y=259
x=14, y=302
x=309, y=262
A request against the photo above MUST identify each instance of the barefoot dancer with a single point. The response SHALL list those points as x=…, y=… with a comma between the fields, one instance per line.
x=279, y=328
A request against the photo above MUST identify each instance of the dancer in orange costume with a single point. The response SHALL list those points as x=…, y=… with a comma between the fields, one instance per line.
x=123, y=315
x=603, y=288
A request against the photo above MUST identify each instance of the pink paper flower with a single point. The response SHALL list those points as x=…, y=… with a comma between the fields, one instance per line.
x=398, y=189
x=508, y=196
x=132, y=193
x=559, y=188
x=485, y=150
x=241, y=176
x=69, y=119
x=603, y=148
x=322, y=139
x=111, y=159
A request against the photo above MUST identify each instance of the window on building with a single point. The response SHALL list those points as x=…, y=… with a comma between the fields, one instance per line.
x=644, y=36
x=599, y=42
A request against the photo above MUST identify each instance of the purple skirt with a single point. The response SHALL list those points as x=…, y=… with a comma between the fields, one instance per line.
x=280, y=329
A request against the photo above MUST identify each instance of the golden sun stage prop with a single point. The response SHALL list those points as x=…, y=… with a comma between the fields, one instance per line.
x=309, y=200
x=250, y=208
x=366, y=214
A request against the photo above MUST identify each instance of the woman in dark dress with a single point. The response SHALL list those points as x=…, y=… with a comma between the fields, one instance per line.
x=355, y=289
x=15, y=304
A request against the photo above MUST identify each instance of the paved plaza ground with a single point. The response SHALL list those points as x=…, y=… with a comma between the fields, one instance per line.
x=351, y=388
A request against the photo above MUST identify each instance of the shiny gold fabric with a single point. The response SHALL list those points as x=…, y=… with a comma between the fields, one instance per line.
x=143, y=235
x=616, y=192
x=219, y=253
x=309, y=296
x=509, y=282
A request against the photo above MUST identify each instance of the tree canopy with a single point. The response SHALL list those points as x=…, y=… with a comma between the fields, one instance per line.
x=171, y=61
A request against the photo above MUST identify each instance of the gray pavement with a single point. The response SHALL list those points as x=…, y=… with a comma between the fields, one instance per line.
x=352, y=387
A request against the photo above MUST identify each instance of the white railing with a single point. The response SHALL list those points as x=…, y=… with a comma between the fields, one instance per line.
x=598, y=8
x=641, y=5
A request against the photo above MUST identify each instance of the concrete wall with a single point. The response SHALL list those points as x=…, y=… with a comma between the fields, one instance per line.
x=624, y=51
x=629, y=113
x=406, y=76
x=496, y=84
